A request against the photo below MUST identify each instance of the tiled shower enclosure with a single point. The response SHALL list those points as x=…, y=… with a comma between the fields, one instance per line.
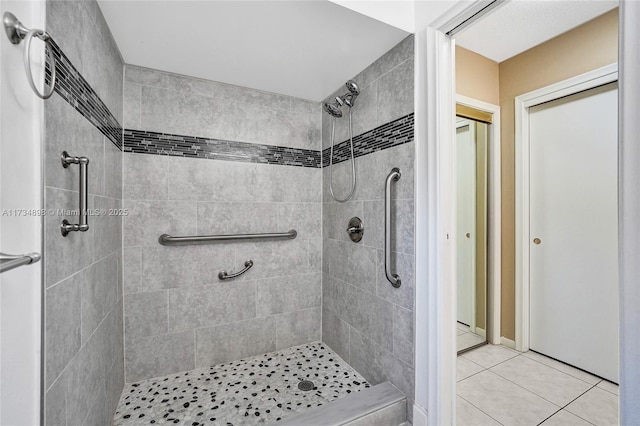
x=183, y=156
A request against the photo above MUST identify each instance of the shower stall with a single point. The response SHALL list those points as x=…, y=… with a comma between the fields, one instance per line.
x=247, y=257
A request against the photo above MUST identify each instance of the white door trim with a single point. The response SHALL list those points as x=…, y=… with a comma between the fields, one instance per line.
x=523, y=102
x=494, y=214
x=629, y=228
x=435, y=326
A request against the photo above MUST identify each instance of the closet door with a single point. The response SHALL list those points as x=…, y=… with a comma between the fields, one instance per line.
x=466, y=216
x=574, y=230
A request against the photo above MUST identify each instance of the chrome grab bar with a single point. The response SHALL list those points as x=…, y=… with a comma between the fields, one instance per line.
x=224, y=275
x=394, y=279
x=83, y=196
x=168, y=240
x=12, y=261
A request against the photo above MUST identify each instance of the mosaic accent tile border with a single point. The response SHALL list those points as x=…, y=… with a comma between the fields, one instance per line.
x=388, y=135
x=74, y=89
x=394, y=133
x=144, y=142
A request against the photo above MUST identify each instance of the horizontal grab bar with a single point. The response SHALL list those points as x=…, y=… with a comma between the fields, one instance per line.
x=168, y=240
x=10, y=261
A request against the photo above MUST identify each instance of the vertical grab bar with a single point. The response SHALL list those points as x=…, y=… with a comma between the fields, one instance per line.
x=83, y=190
x=394, y=279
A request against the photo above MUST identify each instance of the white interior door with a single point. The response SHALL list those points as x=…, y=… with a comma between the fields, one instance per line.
x=574, y=214
x=466, y=218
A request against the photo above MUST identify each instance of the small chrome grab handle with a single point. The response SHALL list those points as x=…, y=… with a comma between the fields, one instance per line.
x=83, y=194
x=224, y=275
x=394, y=279
x=12, y=261
x=16, y=32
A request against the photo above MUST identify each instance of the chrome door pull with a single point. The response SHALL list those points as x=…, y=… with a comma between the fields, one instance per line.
x=224, y=275
x=83, y=194
x=394, y=279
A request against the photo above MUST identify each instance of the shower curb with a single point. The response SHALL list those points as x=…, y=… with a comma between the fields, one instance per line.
x=350, y=409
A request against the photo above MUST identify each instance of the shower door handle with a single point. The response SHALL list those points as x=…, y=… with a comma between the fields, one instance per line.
x=394, y=279
x=83, y=194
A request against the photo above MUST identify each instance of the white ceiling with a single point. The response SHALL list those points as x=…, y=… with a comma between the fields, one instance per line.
x=519, y=25
x=304, y=49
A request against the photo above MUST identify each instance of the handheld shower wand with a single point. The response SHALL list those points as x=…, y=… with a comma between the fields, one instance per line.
x=334, y=110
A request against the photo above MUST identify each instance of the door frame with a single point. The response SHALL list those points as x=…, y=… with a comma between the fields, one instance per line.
x=494, y=215
x=571, y=86
x=435, y=374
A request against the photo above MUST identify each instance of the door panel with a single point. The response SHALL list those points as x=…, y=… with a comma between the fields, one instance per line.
x=466, y=217
x=573, y=202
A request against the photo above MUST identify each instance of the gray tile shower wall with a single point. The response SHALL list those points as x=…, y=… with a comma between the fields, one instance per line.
x=178, y=315
x=84, y=361
x=364, y=319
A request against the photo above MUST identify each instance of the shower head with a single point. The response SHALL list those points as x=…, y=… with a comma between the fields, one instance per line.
x=354, y=91
x=333, y=109
x=349, y=98
x=352, y=87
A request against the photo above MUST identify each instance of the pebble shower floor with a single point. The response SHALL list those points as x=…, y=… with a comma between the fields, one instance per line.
x=257, y=390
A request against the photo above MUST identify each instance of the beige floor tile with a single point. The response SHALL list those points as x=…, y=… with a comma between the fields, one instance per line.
x=490, y=355
x=466, y=368
x=564, y=418
x=596, y=406
x=504, y=401
x=608, y=386
x=572, y=371
x=546, y=382
x=468, y=415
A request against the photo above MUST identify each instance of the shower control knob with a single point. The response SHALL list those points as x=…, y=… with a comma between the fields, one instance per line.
x=355, y=229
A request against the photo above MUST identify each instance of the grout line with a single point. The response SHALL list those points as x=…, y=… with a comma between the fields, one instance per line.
x=566, y=405
x=564, y=372
x=478, y=408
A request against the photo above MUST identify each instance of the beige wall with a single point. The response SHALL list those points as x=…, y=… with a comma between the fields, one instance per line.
x=476, y=76
x=585, y=48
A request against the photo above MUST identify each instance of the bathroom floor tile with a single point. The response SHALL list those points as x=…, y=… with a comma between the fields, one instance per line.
x=505, y=401
x=490, y=355
x=530, y=389
x=610, y=387
x=596, y=406
x=565, y=418
x=468, y=415
x=551, y=384
x=565, y=368
x=466, y=368
x=251, y=391
x=467, y=340
x=462, y=327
